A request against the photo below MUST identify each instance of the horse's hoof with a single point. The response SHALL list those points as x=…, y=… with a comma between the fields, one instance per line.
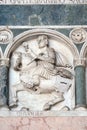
x=13, y=105
x=46, y=107
x=24, y=109
x=65, y=108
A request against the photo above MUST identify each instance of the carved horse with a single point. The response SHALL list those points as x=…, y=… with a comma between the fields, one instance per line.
x=59, y=83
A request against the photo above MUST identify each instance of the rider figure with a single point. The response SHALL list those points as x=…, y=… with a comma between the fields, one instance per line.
x=46, y=61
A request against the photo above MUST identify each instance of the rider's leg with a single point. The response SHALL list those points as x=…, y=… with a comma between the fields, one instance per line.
x=36, y=80
x=13, y=94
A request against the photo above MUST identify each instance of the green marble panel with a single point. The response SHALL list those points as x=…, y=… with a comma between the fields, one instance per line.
x=3, y=85
x=80, y=90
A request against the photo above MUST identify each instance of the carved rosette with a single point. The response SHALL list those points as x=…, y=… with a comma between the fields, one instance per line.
x=78, y=35
x=6, y=36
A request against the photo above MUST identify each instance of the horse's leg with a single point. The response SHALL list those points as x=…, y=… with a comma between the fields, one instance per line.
x=53, y=102
x=13, y=97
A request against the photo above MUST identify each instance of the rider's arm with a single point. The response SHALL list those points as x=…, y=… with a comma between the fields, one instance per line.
x=49, y=58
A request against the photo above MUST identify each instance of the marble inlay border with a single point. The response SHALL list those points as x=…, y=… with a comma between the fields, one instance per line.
x=30, y=2
x=46, y=26
x=6, y=113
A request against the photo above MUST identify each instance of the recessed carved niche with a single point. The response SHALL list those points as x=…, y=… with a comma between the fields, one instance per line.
x=41, y=71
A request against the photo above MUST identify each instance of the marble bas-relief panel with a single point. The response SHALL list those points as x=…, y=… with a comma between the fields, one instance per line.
x=41, y=75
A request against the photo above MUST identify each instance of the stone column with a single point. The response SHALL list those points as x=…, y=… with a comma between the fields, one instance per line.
x=80, y=86
x=3, y=81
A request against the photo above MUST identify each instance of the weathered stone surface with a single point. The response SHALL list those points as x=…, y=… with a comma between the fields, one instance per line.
x=80, y=86
x=48, y=123
x=49, y=14
x=18, y=31
x=38, y=83
x=44, y=15
x=3, y=84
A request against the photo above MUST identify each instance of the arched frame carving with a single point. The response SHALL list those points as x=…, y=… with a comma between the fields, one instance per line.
x=67, y=43
x=18, y=39
x=83, y=51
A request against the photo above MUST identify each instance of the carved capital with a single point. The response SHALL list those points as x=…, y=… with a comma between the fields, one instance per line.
x=80, y=62
x=4, y=61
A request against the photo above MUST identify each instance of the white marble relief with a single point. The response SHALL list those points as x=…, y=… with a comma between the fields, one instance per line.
x=78, y=35
x=41, y=75
x=6, y=36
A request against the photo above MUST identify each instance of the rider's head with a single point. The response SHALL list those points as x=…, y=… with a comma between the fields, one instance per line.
x=42, y=41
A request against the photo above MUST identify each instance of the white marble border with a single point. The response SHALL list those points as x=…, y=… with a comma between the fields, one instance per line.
x=41, y=2
x=7, y=113
x=45, y=27
x=17, y=40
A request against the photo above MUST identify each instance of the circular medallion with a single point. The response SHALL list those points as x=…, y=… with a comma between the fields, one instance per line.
x=6, y=36
x=78, y=35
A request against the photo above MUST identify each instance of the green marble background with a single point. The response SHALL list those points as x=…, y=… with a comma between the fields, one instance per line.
x=43, y=15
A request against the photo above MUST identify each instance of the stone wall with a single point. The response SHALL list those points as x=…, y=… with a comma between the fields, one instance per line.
x=43, y=15
x=48, y=123
x=65, y=17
